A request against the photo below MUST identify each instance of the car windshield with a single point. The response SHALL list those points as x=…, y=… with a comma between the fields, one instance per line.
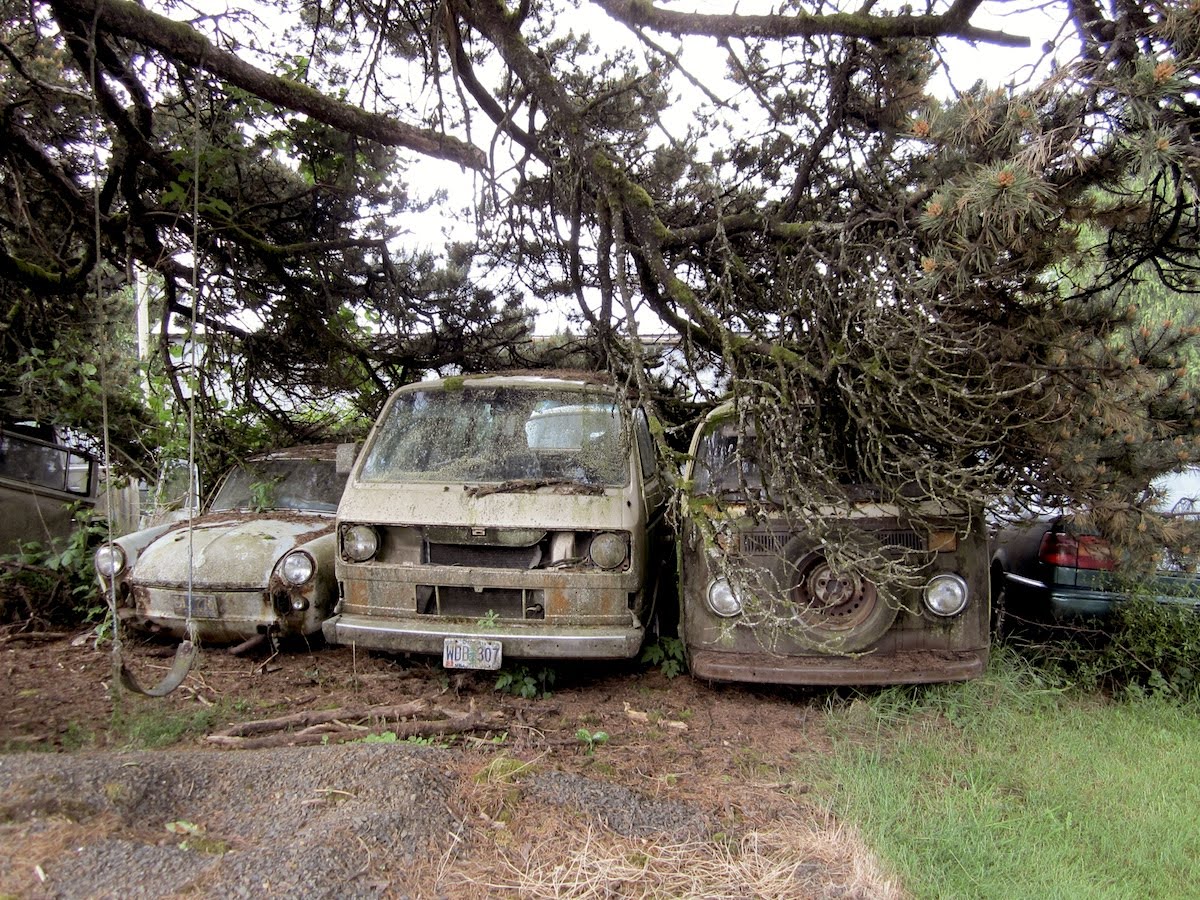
x=307, y=484
x=719, y=467
x=501, y=434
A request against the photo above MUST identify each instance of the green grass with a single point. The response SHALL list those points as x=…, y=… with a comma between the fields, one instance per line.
x=1014, y=787
x=140, y=725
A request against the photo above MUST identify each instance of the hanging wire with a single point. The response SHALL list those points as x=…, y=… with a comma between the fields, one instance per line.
x=192, y=631
x=106, y=451
x=186, y=653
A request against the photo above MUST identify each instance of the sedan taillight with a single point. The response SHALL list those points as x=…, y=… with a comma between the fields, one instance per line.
x=1084, y=551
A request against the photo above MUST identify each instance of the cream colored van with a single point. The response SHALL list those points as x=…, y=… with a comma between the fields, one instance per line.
x=499, y=516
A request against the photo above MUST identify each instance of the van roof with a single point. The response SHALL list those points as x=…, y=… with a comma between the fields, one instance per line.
x=517, y=378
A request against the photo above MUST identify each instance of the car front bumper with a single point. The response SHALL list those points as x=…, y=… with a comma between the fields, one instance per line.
x=524, y=641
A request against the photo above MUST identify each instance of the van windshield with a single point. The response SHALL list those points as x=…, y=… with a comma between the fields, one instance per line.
x=720, y=468
x=501, y=434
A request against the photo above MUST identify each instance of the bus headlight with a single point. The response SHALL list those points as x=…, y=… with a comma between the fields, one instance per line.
x=722, y=599
x=946, y=594
x=608, y=550
x=359, y=543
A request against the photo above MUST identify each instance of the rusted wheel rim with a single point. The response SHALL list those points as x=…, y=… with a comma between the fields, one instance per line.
x=828, y=599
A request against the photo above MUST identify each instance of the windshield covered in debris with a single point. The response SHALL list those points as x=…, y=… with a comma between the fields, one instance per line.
x=501, y=434
x=307, y=484
x=723, y=462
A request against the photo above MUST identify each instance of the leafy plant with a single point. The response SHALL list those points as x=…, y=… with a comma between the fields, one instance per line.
x=521, y=682
x=262, y=494
x=1153, y=648
x=489, y=620
x=55, y=581
x=591, y=739
x=666, y=653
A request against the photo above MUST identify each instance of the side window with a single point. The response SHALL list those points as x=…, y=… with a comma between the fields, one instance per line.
x=645, y=445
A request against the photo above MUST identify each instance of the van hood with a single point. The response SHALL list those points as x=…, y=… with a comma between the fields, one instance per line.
x=551, y=507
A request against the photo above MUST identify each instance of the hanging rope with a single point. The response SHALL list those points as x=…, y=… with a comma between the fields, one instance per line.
x=185, y=654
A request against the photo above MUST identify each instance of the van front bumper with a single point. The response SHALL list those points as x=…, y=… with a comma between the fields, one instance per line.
x=901, y=667
x=523, y=641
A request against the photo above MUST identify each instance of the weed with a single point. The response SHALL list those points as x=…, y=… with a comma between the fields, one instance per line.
x=591, y=739
x=490, y=619
x=521, y=682
x=667, y=654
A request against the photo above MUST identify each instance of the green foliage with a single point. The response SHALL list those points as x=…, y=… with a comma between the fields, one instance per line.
x=666, y=653
x=591, y=739
x=1146, y=649
x=521, y=682
x=262, y=494
x=54, y=583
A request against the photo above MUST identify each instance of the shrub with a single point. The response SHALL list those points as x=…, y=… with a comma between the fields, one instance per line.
x=54, y=583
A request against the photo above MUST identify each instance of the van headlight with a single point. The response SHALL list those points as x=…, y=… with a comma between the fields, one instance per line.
x=359, y=542
x=608, y=550
x=109, y=560
x=946, y=594
x=723, y=599
x=297, y=568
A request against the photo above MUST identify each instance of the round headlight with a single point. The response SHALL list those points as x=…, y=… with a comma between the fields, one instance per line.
x=608, y=550
x=946, y=594
x=297, y=568
x=722, y=599
x=359, y=542
x=110, y=560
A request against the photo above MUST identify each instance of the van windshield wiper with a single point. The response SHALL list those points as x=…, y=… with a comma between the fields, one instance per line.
x=524, y=485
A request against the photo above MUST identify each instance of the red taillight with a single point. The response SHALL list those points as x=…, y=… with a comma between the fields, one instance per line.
x=1084, y=551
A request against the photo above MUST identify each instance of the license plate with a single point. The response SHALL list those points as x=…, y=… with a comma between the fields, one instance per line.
x=203, y=606
x=471, y=653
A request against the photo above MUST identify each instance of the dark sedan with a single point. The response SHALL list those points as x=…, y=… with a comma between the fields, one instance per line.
x=1053, y=570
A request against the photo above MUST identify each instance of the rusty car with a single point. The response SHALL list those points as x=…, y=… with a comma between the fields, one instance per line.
x=502, y=515
x=256, y=565
x=768, y=595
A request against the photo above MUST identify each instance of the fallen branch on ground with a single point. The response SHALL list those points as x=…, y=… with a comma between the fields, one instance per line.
x=335, y=726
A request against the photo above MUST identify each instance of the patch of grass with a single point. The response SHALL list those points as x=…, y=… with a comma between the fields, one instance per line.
x=150, y=725
x=1015, y=785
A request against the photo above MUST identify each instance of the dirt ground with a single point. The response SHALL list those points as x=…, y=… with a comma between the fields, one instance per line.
x=390, y=777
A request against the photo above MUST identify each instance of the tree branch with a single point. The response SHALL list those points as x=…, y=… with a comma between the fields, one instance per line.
x=183, y=43
x=953, y=23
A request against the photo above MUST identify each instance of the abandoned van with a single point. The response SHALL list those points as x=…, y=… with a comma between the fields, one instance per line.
x=43, y=483
x=763, y=600
x=499, y=516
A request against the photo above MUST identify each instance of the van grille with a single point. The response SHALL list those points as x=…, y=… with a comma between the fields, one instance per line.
x=770, y=543
x=484, y=557
x=504, y=603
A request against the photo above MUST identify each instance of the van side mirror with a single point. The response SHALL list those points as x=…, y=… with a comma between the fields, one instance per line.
x=346, y=454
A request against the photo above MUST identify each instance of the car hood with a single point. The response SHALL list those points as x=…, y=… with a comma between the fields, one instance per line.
x=231, y=549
